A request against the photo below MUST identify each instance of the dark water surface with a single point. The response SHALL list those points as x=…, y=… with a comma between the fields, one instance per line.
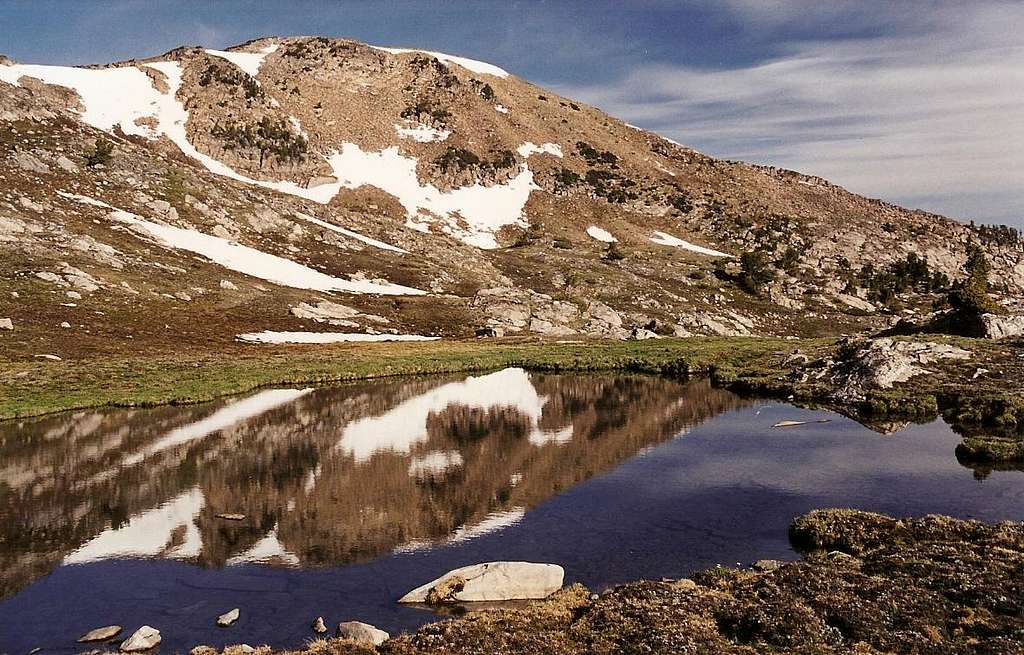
x=353, y=495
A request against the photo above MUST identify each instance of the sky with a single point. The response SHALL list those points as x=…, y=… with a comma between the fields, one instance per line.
x=918, y=102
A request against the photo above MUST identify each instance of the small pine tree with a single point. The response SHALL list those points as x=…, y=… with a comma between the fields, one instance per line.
x=102, y=153
x=970, y=298
x=755, y=271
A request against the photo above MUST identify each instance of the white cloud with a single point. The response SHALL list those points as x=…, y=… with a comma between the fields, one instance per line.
x=930, y=118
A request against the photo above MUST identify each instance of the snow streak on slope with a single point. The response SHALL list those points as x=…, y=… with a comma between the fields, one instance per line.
x=594, y=232
x=349, y=233
x=244, y=259
x=481, y=67
x=404, y=426
x=232, y=414
x=268, y=336
x=250, y=62
x=663, y=239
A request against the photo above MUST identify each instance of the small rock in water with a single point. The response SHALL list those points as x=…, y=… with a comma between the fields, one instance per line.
x=35, y=650
x=319, y=626
x=6, y=324
x=144, y=638
x=231, y=517
x=65, y=324
x=226, y=619
x=101, y=634
x=793, y=424
x=363, y=633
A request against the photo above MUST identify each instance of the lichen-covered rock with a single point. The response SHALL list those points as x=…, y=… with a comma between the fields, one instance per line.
x=493, y=581
x=362, y=633
x=144, y=638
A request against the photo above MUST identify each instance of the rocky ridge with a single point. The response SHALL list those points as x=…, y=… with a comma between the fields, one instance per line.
x=433, y=174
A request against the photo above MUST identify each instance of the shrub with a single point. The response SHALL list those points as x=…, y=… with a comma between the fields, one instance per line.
x=755, y=271
x=102, y=153
x=789, y=260
x=682, y=203
x=614, y=253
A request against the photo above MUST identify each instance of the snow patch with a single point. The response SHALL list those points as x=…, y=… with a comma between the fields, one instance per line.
x=150, y=534
x=530, y=148
x=434, y=463
x=112, y=97
x=267, y=550
x=473, y=214
x=493, y=522
x=268, y=336
x=422, y=133
x=404, y=426
x=249, y=62
x=663, y=239
x=481, y=67
x=594, y=232
x=249, y=261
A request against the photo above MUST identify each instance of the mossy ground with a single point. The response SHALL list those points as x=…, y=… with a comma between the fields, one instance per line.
x=38, y=387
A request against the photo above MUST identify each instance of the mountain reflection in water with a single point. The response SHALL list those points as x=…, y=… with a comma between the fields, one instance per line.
x=323, y=477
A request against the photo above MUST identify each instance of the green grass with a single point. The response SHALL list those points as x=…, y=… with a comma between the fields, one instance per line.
x=34, y=388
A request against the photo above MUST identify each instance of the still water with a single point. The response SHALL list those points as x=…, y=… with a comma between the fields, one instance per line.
x=353, y=495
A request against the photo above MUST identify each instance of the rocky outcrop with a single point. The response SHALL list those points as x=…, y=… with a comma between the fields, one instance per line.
x=493, y=581
x=880, y=364
x=997, y=326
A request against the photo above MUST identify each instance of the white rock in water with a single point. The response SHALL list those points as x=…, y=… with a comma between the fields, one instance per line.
x=6, y=324
x=319, y=626
x=144, y=638
x=101, y=634
x=363, y=633
x=226, y=619
x=492, y=581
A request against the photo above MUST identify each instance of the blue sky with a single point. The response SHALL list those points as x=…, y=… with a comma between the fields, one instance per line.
x=915, y=101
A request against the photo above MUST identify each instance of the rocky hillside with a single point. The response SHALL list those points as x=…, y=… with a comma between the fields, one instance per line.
x=294, y=185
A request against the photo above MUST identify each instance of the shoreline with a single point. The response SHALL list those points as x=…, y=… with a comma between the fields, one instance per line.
x=866, y=584
x=979, y=395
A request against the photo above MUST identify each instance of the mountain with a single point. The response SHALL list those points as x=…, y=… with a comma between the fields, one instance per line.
x=322, y=185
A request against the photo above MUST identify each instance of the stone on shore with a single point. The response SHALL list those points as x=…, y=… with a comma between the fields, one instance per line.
x=319, y=626
x=492, y=581
x=363, y=633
